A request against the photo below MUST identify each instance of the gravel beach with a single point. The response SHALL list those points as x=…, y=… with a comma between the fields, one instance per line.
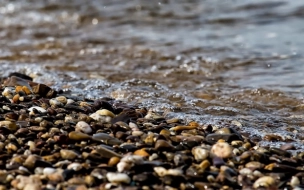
x=51, y=140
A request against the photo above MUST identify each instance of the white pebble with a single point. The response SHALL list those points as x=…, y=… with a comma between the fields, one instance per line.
x=200, y=153
x=100, y=118
x=133, y=126
x=222, y=150
x=55, y=102
x=118, y=177
x=160, y=171
x=62, y=99
x=75, y=166
x=6, y=108
x=42, y=110
x=294, y=182
x=124, y=166
x=70, y=101
x=83, y=127
x=48, y=170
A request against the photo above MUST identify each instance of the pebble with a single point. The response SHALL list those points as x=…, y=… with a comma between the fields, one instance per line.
x=162, y=145
x=265, y=181
x=200, y=153
x=78, y=136
x=222, y=150
x=118, y=178
x=55, y=102
x=11, y=125
x=105, y=138
x=47, y=171
x=105, y=113
x=40, y=109
x=61, y=99
x=68, y=154
x=83, y=127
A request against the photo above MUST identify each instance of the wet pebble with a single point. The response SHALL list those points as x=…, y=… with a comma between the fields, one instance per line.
x=222, y=150
x=68, y=154
x=200, y=153
x=83, y=127
x=265, y=181
x=118, y=177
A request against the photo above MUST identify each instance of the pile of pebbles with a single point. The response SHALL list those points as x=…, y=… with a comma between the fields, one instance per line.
x=49, y=140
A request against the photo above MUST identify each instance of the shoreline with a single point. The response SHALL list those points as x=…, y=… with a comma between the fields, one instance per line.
x=52, y=141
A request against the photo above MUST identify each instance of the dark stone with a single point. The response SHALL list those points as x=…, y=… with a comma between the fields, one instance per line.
x=20, y=75
x=68, y=174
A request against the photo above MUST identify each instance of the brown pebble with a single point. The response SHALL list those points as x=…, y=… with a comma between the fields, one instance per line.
x=16, y=98
x=141, y=152
x=265, y=181
x=55, y=177
x=162, y=145
x=68, y=154
x=181, y=127
x=79, y=136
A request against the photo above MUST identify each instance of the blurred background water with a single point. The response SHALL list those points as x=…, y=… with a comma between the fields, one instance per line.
x=206, y=60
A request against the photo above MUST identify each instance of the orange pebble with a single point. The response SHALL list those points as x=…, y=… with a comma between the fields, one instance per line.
x=18, y=89
x=16, y=98
x=113, y=161
x=141, y=152
x=26, y=90
x=194, y=124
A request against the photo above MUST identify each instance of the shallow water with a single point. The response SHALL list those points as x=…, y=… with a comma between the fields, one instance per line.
x=209, y=61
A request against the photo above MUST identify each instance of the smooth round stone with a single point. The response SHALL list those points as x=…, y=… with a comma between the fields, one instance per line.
x=200, y=153
x=55, y=102
x=162, y=145
x=70, y=101
x=133, y=159
x=113, y=161
x=222, y=150
x=160, y=171
x=254, y=164
x=105, y=112
x=78, y=136
x=75, y=166
x=294, y=182
x=47, y=170
x=68, y=154
x=118, y=177
x=245, y=171
x=40, y=109
x=83, y=127
x=11, y=125
x=133, y=126
x=141, y=152
x=100, y=118
x=105, y=138
x=265, y=181
x=224, y=130
x=61, y=99
x=137, y=133
x=55, y=177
